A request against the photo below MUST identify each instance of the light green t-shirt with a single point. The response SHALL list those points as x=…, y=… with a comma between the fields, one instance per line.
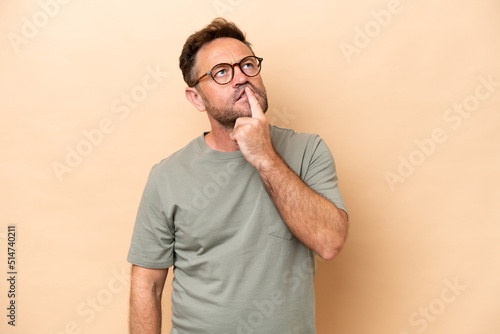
x=237, y=267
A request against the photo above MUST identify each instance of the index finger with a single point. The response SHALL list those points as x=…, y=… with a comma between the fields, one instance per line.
x=254, y=104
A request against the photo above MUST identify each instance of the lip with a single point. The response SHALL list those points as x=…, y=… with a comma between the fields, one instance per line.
x=241, y=96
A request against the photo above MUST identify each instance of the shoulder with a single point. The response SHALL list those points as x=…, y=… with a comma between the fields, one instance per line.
x=176, y=159
x=283, y=138
x=299, y=150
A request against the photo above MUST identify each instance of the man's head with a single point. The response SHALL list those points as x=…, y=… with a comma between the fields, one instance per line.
x=220, y=42
x=218, y=28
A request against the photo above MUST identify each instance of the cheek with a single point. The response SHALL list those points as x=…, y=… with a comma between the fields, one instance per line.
x=222, y=97
x=259, y=84
x=214, y=97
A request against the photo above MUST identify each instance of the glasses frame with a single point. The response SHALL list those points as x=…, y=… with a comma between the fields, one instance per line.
x=209, y=73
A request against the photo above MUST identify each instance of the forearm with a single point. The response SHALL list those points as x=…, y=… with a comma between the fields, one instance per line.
x=314, y=220
x=145, y=313
x=145, y=307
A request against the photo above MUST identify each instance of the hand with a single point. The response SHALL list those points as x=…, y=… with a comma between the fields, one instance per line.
x=252, y=135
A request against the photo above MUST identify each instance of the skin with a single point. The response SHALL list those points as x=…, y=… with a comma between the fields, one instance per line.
x=315, y=221
x=146, y=288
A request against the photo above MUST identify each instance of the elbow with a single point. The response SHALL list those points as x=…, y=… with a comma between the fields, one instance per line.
x=336, y=239
x=328, y=256
x=331, y=252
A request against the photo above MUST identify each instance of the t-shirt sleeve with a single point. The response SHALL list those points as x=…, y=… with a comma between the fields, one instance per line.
x=152, y=244
x=321, y=174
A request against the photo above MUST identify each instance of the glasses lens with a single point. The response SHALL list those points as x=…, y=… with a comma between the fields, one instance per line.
x=250, y=66
x=222, y=73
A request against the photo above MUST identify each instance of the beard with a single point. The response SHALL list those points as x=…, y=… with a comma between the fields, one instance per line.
x=228, y=114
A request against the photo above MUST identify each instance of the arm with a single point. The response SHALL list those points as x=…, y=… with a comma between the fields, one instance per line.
x=145, y=300
x=315, y=221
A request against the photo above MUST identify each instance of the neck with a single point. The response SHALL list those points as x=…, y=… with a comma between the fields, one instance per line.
x=218, y=139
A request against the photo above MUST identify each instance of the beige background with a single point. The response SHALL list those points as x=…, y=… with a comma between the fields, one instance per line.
x=423, y=254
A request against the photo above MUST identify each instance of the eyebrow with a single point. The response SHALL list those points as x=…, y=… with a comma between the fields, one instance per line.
x=230, y=62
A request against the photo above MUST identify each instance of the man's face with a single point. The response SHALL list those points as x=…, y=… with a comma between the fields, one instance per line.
x=225, y=103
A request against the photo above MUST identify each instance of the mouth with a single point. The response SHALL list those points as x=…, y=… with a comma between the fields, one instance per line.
x=242, y=96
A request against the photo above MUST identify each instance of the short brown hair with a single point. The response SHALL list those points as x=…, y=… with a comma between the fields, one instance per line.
x=218, y=28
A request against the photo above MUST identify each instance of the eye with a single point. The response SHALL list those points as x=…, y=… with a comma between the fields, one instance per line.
x=221, y=72
x=249, y=64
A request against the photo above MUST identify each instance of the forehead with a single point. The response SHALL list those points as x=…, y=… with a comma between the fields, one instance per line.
x=222, y=50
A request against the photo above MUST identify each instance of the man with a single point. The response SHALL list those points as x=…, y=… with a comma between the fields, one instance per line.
x=240, y=212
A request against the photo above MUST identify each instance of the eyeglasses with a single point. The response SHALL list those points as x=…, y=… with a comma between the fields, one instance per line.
x=224, y=73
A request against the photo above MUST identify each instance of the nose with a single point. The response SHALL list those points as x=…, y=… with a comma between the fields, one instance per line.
x=239, y=77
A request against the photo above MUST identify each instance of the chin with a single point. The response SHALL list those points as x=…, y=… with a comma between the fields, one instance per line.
x=227, y=117
x=242, y=110
x=246, y=113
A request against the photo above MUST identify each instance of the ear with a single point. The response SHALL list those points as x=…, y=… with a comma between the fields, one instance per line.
x=194, y=97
